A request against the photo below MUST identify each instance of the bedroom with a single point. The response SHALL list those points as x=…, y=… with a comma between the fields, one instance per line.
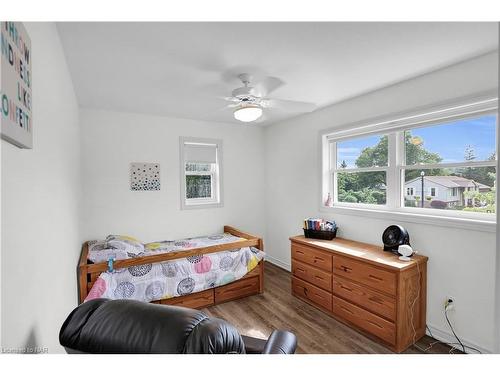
x=143, y=137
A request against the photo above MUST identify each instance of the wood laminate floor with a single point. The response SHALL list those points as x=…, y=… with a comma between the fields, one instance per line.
x=316, y=331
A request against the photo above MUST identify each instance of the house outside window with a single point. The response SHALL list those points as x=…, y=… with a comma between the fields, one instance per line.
x=382, y=166
x=201, y=172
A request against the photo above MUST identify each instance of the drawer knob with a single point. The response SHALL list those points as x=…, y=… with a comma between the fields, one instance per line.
x=376, y=300
x=345, y=269
x=375, y=324
x=347, y=310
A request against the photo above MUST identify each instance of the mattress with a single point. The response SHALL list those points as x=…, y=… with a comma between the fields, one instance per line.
x=179, y=277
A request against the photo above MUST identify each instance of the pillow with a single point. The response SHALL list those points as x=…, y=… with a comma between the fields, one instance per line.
x=124, y=243
x=159, y=245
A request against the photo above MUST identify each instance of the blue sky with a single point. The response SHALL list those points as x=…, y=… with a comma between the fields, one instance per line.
x=448, y=140
x=351, y=149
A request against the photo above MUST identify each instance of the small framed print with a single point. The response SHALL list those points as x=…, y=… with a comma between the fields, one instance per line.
x=144, y=176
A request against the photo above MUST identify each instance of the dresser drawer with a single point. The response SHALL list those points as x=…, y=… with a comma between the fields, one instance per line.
x=314, y=294
x=369, y=299
x=312, y=275
x=312, y=256
x=377, y=278
x=365, y=320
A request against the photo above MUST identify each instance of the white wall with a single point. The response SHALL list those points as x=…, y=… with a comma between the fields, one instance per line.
x=40, y=206
x=461, y=262
x=112, y=140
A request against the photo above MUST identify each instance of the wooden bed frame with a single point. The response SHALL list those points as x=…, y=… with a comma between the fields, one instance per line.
x=251, y=283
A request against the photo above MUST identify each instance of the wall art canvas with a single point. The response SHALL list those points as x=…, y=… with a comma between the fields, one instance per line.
x=144, y=176
x=16, y=118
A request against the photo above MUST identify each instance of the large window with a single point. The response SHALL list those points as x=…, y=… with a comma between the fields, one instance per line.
x=440, y=163
x=200, y=173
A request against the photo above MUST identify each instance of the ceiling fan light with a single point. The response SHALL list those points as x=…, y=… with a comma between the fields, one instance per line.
x=248, y=113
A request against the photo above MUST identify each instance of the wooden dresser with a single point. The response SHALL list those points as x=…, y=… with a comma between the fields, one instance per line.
x=364, y=287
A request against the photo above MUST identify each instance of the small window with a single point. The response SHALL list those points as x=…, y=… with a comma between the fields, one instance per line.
x=409, y=191
x=433, y=191
x=201, y=173
x=454, y=192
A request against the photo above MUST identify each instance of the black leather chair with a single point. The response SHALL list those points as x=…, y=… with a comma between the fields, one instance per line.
x=124, y=326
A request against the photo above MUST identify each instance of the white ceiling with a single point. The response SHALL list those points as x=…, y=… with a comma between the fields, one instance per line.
x=182, y=69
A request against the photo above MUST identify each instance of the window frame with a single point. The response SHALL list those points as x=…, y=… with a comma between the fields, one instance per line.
x=336, y=170
x=394, y=127
x=216, y=200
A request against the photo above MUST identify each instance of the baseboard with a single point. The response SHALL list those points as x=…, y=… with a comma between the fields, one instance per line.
x=278, y=263
x=449, y=338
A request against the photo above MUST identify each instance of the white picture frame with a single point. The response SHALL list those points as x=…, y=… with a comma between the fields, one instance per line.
x=16, y=119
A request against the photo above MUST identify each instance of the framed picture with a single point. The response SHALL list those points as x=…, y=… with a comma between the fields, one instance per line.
x=144, y=176
x=15, y=85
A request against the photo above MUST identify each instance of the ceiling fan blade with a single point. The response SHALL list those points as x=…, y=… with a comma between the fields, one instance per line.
x=268, y=85
x=229, y=99
x=290, y=105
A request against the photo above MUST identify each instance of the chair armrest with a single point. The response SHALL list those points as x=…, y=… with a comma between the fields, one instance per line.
x=253, y=345
x=280, y=342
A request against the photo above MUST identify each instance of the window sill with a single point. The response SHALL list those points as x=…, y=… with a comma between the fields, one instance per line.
x=482, y=225
x=196, y=206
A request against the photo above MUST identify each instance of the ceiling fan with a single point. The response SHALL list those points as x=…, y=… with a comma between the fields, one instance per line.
x=249, y=101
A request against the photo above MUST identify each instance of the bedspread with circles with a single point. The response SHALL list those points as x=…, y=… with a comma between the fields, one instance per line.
x=179, y=277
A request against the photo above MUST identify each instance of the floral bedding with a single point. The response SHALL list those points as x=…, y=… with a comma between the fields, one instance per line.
x=150, y=282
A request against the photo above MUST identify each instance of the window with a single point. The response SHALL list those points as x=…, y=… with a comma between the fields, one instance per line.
x=442, y=162
x=361, y=172
x=201, y=173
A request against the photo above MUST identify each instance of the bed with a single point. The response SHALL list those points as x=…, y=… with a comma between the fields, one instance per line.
x=93, y=274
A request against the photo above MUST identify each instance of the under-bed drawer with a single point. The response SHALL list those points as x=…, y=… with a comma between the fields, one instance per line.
x=237, y=289
x=193, y=301
x=365, y=320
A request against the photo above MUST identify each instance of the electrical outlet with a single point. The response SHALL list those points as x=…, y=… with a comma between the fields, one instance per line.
x=449, y=303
